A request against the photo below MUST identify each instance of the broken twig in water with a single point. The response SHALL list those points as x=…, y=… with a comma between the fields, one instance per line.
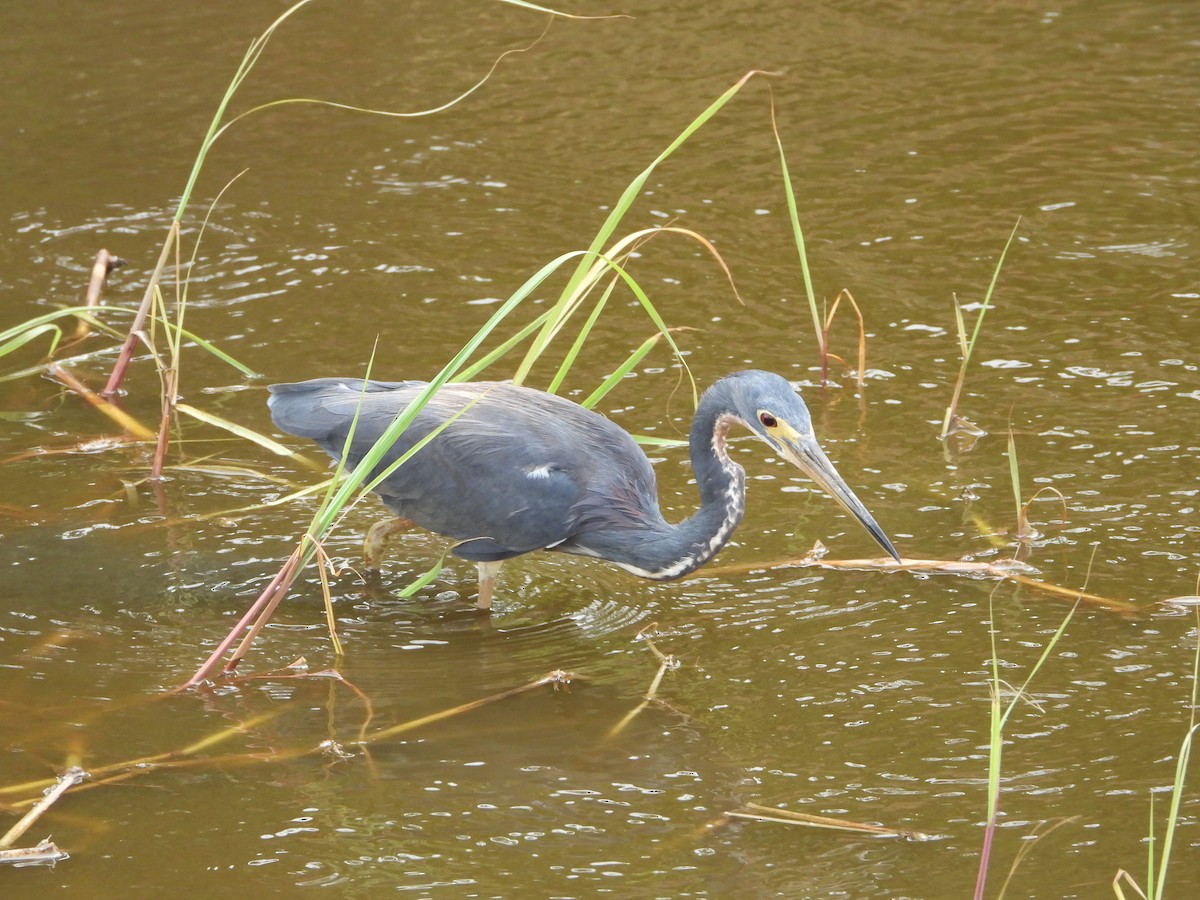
x=666, y=661
x=145, y=764
x=66, y=780
x=46, y=853
x=104, y=264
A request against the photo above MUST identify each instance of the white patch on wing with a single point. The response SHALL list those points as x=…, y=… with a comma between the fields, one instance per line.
x=540, y=473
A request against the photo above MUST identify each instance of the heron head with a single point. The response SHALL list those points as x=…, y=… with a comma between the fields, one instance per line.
x=773, y=410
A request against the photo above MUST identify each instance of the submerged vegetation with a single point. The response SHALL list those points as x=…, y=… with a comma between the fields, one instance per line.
x=593, y=276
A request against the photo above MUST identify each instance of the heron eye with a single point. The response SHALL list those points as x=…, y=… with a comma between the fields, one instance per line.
x=767, y=419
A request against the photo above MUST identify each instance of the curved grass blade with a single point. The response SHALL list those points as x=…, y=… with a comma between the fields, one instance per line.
x=243, y=432
x=948, y=423
x=33, y=334
x=622, y=206
x=798, y=237
x=622, y=370
x=210, y=347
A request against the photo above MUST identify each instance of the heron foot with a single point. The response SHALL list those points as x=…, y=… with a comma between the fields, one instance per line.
x=378, y=536
x=487, y=582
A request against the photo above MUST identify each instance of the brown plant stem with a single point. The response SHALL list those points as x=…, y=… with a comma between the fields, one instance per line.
x=290, y=569
x=139, y=320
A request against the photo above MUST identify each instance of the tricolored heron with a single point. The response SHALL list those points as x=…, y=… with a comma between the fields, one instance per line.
x=518, y=470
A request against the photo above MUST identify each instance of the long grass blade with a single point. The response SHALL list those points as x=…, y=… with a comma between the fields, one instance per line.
x=385, y=113
x=621, y=371
x=798, y=238
x=87, y=313
x=468, y=373
x=952, y=409
x=243, y=432
x=620, y=208
x=1157, y=887
x=174, y=329
x=581, y=338
x=33, y=334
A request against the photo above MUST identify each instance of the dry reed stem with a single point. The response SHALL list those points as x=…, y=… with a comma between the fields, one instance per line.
x=1116, y=885
x=136, y=769
x=89, y=446
x=68, y=779
x=323, y=673
x=862, y=339
x=667, y=663
x=323, y=560
x=185, y=758
x=1026, y=531
x=290, y=570
x=1027, y=845
x=164, y=425
x=559, y=677
x=119, y=416
x=128, y=768
x=759, y=813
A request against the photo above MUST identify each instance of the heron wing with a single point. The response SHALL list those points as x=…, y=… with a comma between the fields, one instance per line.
x=513, y=470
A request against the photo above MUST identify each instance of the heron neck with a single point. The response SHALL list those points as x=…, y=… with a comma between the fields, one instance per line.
x=722, y=486
x=671, y=551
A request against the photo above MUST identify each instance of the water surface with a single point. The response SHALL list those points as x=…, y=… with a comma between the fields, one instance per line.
x=917, y=135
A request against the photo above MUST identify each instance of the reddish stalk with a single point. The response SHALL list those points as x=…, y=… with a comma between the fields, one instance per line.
x=138, y=324
x=985, y=854
x=270, y=596
x=290, y=570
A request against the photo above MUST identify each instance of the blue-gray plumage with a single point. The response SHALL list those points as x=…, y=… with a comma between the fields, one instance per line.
x=520, y=470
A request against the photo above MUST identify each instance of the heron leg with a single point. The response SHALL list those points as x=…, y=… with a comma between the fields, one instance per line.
x=487, y=581
x=378, y=536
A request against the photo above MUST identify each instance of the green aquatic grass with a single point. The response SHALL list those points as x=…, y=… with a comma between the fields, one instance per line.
x=966, y=346
x=594, y=257
x=821, y=323
x=1158, y=859
x=798, y=238
x=1024, y=530
x=17, y=336
x=999, y=713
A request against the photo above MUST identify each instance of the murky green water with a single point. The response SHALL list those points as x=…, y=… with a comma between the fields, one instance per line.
x=917, y=134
